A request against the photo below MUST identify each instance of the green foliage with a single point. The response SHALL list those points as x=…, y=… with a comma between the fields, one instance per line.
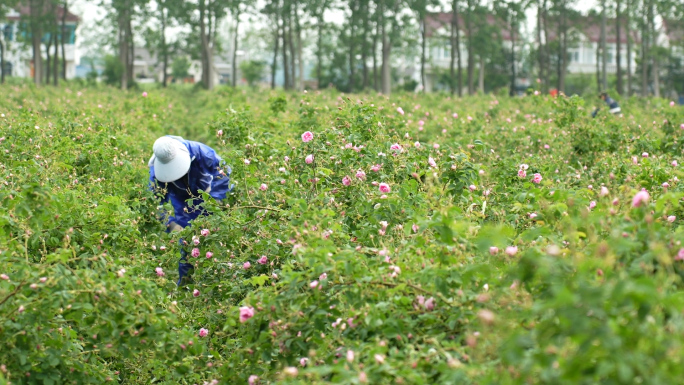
x=465, y=272
x=113, y=70
x=180, y=67
x=252, y=71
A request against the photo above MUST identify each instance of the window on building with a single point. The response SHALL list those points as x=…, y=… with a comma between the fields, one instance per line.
x=574, y=56
x=8, y=68
x=8, y=32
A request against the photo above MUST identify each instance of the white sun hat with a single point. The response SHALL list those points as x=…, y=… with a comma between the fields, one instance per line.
x=171, y=159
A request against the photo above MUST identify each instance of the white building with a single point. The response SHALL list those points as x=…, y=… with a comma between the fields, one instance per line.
x=19, y=58
x=438, y=32
x=584, y=42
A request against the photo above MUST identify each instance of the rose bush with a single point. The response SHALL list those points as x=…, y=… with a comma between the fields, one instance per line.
x=420, y=239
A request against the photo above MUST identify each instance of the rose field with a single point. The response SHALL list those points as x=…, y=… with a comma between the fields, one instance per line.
x=420, y=239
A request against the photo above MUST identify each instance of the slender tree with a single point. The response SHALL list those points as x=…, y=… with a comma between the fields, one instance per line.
x=455, y=40
x=618, y=46
x=628, y=34
x=64, y=36
x=604, y=51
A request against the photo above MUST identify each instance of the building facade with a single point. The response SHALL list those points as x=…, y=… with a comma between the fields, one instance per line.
x=16, y=38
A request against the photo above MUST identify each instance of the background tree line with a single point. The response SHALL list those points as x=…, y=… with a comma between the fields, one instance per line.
x=368, y=44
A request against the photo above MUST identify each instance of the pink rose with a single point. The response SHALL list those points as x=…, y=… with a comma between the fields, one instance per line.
x=263, y=260
x=430, y=304
x=522, y=173
x=144, y=94
x=195, y=293
x=603, y=192
x=309, y=159
x=472, y=187
x=400, y=110
x=313, y=284
x=346, y=181
x=537, y=178
x=671, y=218
x=640, y=198
x=493, y=250
x=203, y=332
x=680, y=255
x=592, y=204
x=350, y=356
x=361, y=175
x=252, y=380
x=431, y=161
x=384, y=188
x=376, y=168
x=209, y=254
x=195, y=252
x=674, y=163
x=246, y=265
x=159, y=271
x=511, y=250
x=246, y=312
x=263, y=187
x=396, y=147
x=307, y=136
x=204, y=232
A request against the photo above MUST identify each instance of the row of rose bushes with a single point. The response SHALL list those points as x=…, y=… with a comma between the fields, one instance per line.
x=421, y=239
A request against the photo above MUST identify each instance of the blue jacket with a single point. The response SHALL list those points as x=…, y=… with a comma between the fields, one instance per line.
x=204, y=174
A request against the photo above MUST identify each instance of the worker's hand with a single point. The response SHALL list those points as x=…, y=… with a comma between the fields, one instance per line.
x=175, y=227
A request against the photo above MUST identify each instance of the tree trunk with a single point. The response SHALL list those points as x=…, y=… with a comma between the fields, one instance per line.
x=123, y=46
x=2, y=60
x=644, y=58
x=423, y=80
x=364, y=45
x=654, y=54
x=471, y=58
x=64, y=37
x=48, y=61
x=512, y=28
x=36, y=9
x=55, y=63
x=131, y=47
x=618, y=47
x=604, y=50
x=563, y=56
x=540, y=46
x=319, y=51
x=452, y=46
x=300, y=52
x=165, y=49
x=293, y=52
x=629, y=49
x=386, y=48
x=235, y=47
x=598, y=66
x=207, y=80
x=547, y=55
x=480, y=75
x=286, y=67
x=276, y=43
x=352, y=24
x=375, y=55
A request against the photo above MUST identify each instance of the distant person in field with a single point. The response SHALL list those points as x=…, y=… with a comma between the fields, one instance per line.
x=613, y=106
x=180, y=168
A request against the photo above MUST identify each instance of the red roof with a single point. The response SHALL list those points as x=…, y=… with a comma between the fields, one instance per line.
x=25, y=10
x=590, y=26
x=434, y=21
